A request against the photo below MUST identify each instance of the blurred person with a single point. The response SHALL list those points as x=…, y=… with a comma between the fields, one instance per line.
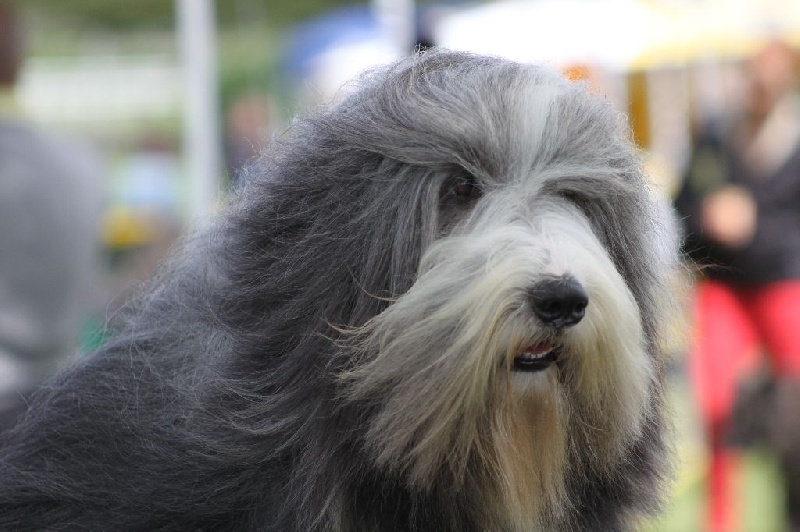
x=740, y=201
x=50, y=207
x=248, y=124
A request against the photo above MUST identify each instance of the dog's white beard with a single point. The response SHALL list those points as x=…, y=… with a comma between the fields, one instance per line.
x=439, y=361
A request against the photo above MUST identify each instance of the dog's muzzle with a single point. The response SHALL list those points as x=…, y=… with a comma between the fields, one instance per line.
x=558, y=302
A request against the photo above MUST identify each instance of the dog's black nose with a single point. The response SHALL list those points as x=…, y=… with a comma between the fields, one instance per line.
x=559, y=302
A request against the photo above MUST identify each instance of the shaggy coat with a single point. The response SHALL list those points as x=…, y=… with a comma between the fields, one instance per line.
x=334, y=352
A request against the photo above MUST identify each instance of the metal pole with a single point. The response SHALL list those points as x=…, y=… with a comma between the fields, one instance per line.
x=201, y=124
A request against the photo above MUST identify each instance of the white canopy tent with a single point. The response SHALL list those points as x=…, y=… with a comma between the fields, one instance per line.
x=610, y=34
x=619, y=34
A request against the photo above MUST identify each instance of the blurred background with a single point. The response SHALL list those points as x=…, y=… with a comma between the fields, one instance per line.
x=121, y=126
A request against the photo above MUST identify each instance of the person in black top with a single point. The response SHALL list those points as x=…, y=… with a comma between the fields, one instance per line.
x=740, y=202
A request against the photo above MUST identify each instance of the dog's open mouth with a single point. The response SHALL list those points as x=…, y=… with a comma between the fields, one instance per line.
x=536, y=357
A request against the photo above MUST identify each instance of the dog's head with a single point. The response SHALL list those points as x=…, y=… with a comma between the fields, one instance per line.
x=502, y=213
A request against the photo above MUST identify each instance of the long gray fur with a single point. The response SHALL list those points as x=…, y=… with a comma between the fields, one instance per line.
x=228, y=397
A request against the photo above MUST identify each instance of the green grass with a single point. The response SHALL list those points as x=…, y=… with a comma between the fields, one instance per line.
x=759, y=500
x=759, y=497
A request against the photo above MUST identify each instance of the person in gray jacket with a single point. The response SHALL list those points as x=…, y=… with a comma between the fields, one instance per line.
x=50, y=209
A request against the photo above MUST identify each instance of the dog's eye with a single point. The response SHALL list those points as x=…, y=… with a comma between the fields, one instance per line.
x=466, y=188
x=463, y=188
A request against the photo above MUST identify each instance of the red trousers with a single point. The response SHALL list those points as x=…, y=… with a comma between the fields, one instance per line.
x=733, y=326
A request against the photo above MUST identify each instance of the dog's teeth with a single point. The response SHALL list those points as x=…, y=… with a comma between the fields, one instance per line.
x=530, y=355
